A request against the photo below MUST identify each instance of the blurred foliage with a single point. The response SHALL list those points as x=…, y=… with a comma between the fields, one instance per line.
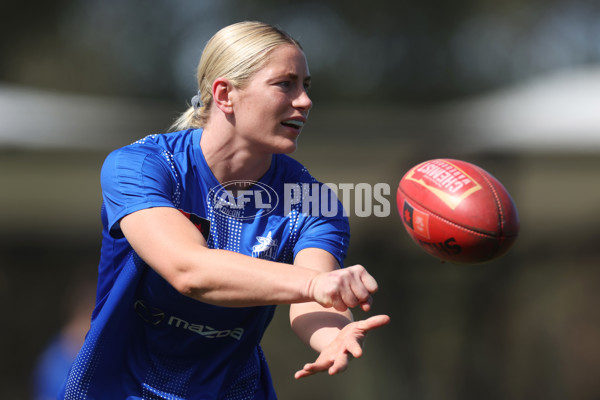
x=402, y=51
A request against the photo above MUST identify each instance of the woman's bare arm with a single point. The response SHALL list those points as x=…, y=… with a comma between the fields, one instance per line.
x=331, y=333
x=167, y=241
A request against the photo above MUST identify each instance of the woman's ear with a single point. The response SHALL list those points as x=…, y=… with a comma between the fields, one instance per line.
x=222, y=91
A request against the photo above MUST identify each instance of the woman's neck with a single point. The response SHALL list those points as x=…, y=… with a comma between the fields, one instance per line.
x=229, y=159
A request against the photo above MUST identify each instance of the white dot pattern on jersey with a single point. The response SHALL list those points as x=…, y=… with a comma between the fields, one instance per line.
x=168, y=156
x=244, y=386
x=145, y=139
x=167, y=379
x=83, y=370
x=225, y=230
x=294, y=218
x=293, y=225
x=176, y=197
x=87, y=360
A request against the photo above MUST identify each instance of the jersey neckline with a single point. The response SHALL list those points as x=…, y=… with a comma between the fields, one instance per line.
x=206, y=173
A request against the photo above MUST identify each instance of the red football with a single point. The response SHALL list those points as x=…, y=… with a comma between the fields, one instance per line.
x=457, y=212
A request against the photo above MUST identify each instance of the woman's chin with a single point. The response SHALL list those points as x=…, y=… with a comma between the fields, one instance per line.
x=287, y=146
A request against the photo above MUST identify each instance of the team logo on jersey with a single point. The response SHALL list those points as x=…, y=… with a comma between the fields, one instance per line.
x=266, y=247
x=154, y=316
x=148, y=314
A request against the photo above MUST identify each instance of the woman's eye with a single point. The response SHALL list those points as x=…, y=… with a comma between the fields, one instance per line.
x=285, y=84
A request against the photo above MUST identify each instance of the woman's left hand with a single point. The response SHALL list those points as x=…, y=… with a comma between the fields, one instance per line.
x=348, y=344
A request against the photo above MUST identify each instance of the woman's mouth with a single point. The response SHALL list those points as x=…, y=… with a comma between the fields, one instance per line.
x=293, y=123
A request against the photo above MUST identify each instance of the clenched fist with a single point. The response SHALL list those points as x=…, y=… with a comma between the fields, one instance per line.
x=344, y=288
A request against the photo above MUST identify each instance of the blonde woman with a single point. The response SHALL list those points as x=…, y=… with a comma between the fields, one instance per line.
x=206, y=230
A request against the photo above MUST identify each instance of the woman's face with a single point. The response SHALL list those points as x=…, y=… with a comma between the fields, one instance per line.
x=272, y=108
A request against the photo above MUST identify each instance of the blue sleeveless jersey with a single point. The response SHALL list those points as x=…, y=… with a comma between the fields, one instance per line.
x=148, y=341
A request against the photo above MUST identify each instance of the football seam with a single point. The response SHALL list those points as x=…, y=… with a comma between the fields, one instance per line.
x=498, y=205
x=463, y=228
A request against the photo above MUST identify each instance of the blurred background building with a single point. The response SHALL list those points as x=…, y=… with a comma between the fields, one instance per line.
x=512, y=86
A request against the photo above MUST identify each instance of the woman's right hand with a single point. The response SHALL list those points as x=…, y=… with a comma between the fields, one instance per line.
x=344, y=288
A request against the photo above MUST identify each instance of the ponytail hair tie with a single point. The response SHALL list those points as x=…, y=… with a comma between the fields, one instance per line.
x=197, y=102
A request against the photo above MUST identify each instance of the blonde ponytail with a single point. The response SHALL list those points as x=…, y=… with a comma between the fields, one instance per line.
x=190, y=119
x=235, y=53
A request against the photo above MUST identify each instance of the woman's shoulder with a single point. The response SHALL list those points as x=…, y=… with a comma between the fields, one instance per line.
x=163, y=144
x=174, y=142
x=292, y=170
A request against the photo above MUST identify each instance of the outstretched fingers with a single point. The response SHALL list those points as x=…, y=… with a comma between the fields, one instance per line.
x=332, y=366
x=340, y=364
x=348, y=344
x=373, y=322
x=313, y=368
